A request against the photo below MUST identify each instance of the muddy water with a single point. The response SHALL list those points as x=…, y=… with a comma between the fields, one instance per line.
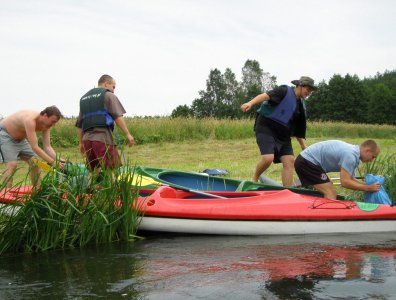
x=210, y=267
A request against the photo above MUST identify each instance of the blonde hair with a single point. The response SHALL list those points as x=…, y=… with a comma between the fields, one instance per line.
x=105, y=78
x=371, y=144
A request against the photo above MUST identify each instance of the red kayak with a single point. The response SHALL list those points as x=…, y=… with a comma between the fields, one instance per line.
x=15, y=194
x=250, y=213
x=260, y=213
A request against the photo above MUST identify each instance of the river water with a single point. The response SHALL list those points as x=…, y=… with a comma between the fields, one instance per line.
x=210, y=267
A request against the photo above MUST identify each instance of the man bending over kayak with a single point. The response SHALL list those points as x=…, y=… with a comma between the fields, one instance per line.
x=335, y=156
x=18, y=139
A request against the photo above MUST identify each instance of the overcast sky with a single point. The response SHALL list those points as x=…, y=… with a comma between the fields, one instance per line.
x=161, y=52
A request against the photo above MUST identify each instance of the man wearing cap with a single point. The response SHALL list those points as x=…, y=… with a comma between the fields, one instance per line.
x=281, y=115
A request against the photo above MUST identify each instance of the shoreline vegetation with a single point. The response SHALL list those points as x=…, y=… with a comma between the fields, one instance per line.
x=180, y=144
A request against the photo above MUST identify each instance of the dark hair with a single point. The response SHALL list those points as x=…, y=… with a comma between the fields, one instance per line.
x=105, y=78
x=52, y=111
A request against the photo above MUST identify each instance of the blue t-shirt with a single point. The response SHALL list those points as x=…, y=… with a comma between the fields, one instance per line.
x=333, y=155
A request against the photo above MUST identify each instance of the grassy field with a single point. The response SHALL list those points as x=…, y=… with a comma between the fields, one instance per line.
x=194, y=145
x=162, y=130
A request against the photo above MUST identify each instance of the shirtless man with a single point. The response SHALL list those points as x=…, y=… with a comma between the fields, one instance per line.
x=18, y=139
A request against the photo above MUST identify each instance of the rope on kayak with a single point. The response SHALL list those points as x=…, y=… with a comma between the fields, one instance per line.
x=346, y=205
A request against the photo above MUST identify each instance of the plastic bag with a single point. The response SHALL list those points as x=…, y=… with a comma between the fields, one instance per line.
x=380, y=197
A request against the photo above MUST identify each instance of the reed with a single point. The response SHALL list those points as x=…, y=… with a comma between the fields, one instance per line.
x=66, y=212
x=384, y=165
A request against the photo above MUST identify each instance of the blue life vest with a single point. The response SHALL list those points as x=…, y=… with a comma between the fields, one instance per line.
x=283, y=112
x=94, y=113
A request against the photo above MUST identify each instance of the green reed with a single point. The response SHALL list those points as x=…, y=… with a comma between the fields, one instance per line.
x=384, y=165
x=71, y=211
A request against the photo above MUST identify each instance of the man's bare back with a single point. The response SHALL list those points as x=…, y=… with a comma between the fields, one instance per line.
x=15, y=124
x=18, y=140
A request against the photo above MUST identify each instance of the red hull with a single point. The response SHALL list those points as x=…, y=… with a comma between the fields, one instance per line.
x=260, y=205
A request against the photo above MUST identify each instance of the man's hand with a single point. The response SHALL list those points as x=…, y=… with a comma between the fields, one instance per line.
x=82, y=149
x=374, y=187
x=246, y=107
x=131, y=140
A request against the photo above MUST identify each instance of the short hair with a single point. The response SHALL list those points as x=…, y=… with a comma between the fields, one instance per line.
x=52, y=111
x=105, y=78
x=371, y=144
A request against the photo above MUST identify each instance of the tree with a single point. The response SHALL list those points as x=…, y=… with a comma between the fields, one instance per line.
x=381, y=105
x=219, y=97
x=318, y=103
x=206, y=104
x=182, y=111
x=343, y=99
x=254, y=82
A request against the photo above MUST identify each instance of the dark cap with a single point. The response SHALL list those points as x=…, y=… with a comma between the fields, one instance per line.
x=305, y=81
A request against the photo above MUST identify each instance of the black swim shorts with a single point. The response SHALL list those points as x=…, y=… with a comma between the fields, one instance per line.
x=269, y=143
x=309, y=173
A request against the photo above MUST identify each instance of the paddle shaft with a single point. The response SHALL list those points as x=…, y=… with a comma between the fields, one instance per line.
x=196, y=192
x=121, y=149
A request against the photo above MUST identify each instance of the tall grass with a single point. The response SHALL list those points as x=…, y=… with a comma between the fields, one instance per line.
x=63, y=212
x=165, y=129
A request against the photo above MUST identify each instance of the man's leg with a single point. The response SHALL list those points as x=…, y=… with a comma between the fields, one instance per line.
x=9, y=173
x=34, y=172
x=265, y=161
x=327, y=189
x=288, y=170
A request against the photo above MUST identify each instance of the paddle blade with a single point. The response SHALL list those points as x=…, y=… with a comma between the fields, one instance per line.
x=41, y=164
x=138, y=180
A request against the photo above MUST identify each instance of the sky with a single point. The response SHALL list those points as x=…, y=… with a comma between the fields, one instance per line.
x=161, y=52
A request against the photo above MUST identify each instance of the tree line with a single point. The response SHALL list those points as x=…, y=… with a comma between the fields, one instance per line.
x=344, y=98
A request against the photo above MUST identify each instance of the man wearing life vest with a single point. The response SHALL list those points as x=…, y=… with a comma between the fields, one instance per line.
x=281, y=115
x=99, y=110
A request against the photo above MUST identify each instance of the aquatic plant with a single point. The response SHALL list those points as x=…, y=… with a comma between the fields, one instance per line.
x=384, y=165
x=69, y=211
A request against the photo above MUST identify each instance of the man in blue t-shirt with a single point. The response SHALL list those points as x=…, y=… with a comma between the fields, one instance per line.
x=335, y=156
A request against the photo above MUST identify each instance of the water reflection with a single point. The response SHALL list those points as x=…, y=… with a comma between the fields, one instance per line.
x=76, y=274
x=210, y=267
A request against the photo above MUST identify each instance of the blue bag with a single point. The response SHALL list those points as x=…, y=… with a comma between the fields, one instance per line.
x=380, y=197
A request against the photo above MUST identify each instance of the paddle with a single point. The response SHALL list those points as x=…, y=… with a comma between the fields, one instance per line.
x=141, y=180
x=43, y=165
x=48, y=168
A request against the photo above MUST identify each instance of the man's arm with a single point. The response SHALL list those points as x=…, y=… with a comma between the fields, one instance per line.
x=302, y=143
x=80, y=141
x=47, y=144
x=30, y=128
x=349, y=182
x=256, y=100
x=121, y=123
